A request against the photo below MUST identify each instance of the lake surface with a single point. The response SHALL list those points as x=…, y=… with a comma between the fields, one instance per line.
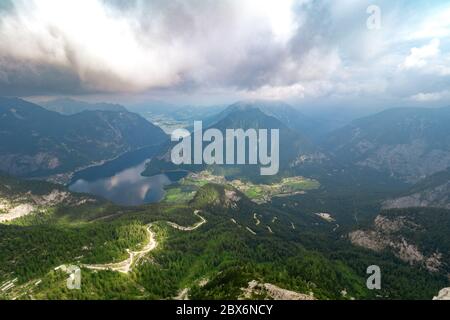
x=120, y=180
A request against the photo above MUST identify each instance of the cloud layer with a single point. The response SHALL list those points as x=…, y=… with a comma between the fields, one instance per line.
x=291, y=49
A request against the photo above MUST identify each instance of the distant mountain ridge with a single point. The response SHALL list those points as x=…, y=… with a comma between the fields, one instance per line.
x=35, y=141
x=292, y=144
x=288, y=115
x=70, y=106
x=179, y=113
x=295, y=150
x=431, y=192
x=407, y=143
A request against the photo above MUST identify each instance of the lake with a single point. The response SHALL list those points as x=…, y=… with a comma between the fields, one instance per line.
x=120, y=180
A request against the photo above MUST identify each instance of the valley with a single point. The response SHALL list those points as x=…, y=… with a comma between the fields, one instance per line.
x=259, y=193
x=222, y=232
x=143, y=252
x=224, y=150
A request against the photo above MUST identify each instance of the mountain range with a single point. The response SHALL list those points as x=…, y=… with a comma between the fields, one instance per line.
x=403, y=144
x=407, y=143
x=35, y=141
x=178, y=113
x=289, y=116
x=70, y=106
x=295, y=149
x=433, y=191
x=219, y=243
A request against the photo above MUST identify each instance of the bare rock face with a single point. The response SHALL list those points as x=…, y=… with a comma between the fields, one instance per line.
x=411, y=161
x=17, y=212
x=231, y=199
x=387, y=225
x=434, y=263
x=273, y=292
x=55, y=197
x=385, y=236
x=406, y=143
x=19, y=164
x=407, y=252
x=17, y=200
x=368, y=239
x=302, y=159
x=23, y=205
x=444, y=294
x=436, y=197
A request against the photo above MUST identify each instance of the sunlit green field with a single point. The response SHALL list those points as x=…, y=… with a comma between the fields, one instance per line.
x=179, y=194
x=184, y=191
x=302, y=184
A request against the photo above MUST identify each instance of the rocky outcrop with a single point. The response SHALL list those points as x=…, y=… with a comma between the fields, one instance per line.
x=20, y=164
x=20, y=198
x=273, y=292
x=411, y=161
x=435, y=197
x=386, y=235
x=17, y=212
x=404, y=143
x=368, y=239
x=444, y=294
x=231, y=199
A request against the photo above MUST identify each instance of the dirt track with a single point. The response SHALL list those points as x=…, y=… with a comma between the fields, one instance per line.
x=134, y=256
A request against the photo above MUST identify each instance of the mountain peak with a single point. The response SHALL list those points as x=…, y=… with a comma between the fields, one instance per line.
x=247, y=117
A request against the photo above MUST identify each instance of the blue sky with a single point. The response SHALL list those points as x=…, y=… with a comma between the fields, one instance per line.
x=205, y=51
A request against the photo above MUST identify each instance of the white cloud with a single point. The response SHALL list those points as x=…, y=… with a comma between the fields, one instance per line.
x=151, y=45
x=279, y=14
x=97, y=43
x=442, y=66
x=428, y=59
x=315, y=64
x=419, y=57
x=250, y=48
x=430, y=97
x=277, y=92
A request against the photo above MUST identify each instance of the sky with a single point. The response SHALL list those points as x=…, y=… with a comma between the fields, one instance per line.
x=207, y=51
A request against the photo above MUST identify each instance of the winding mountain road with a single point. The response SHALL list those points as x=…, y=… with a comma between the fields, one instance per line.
x=126, y=266
x=192, y=228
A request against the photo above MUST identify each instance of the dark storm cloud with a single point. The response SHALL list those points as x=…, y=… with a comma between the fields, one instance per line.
x=21, y=78
x=256, y=48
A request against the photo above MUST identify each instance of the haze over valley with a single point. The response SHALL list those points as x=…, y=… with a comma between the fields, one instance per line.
x=88, y=120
